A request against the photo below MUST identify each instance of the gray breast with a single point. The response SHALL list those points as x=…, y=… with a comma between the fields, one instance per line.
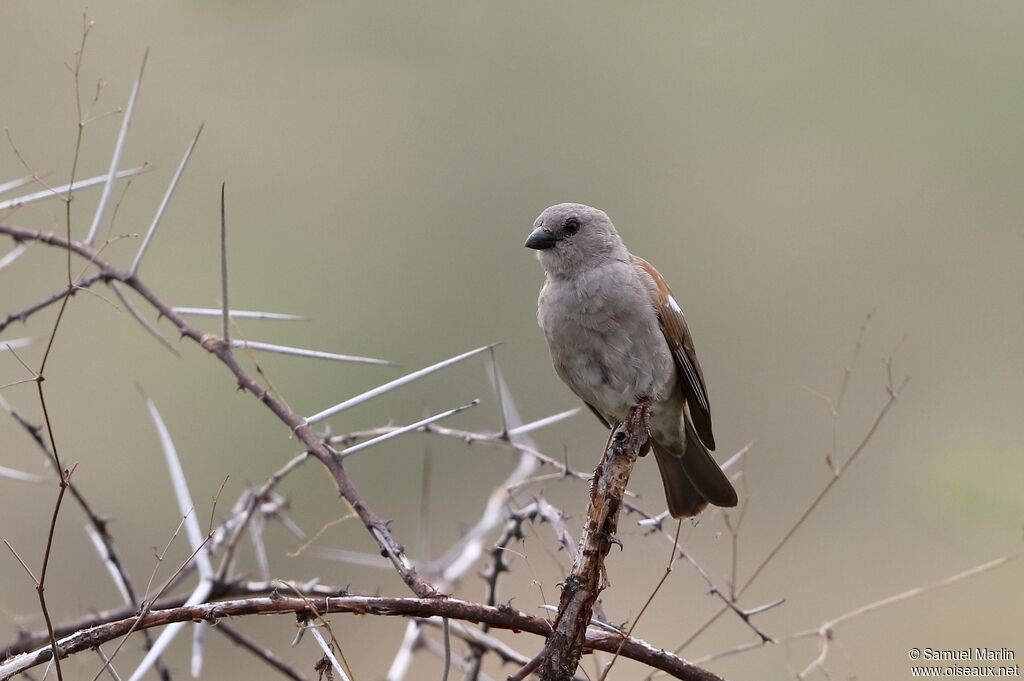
x=605, y=340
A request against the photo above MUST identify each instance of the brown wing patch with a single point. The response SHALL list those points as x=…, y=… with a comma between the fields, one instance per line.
x=677, y=335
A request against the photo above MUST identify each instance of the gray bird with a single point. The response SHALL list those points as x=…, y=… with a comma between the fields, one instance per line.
x=617, y=336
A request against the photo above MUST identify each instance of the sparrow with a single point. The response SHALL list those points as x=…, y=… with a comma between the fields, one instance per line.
x=617, y=337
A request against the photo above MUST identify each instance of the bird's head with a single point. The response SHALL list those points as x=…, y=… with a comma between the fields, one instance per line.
x=570, y=238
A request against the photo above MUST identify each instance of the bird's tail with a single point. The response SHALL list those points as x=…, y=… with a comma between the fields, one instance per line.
x=692, y=478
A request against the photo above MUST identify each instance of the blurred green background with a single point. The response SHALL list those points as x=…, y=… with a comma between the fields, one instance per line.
x=789, y=167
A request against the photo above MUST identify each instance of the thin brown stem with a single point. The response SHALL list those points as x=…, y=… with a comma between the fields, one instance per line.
x=99, y=524
x=23, y=315
x=893, y=391
x=41, y=584
x=893, y=394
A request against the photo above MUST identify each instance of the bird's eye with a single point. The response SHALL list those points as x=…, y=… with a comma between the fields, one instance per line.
x=571, y=226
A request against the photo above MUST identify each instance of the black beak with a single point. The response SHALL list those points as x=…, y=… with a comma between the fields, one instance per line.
x=541, y=239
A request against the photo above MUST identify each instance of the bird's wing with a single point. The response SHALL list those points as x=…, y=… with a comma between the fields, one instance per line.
x=600, y=417
x=677, y=334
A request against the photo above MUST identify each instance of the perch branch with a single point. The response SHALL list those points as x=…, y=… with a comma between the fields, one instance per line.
x=588, y=578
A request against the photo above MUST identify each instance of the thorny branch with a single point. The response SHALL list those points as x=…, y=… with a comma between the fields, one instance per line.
x=587, y=578
x=567, y=638
x=502, y=617
x=327, y=456
x=825, y=633
x=99, y=524
x=501, y=563
x=429, y=605
x=893, y=391
x=316, y=447
x=40, y=374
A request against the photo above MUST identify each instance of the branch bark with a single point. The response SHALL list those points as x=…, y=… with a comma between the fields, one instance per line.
x=588, y=577
x=499, y=617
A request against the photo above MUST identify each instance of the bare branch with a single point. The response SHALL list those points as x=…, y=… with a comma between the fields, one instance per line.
x=657, y=588
x=56, y=297
x=587, y=577
x=825, y=631
x=893, y=394
x=107, y=629
x=893, y=391
x=201, y=593
x=252, y=501
x=98, y=524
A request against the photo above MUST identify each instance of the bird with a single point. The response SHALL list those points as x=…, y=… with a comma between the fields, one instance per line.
x=618, y=337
